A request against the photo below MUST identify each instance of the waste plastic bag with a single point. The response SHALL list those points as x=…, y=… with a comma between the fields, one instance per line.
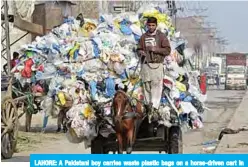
x=82, y=121
x=110, y=87
x=49, y=108
x=187, y=107
x=63, y=99
x=198, y=105
x=93, y=90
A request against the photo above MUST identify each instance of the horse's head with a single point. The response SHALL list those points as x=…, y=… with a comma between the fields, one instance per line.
x=120, y=100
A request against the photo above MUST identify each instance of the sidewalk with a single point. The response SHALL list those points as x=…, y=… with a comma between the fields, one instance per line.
x=236, y=143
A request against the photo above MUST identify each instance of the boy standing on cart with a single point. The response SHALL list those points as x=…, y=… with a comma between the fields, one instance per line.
x=152, y=49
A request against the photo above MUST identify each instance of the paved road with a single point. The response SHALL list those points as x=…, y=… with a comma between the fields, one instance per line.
x=236, y=143
x=222, y=104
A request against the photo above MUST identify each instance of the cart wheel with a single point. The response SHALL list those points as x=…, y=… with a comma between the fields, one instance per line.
x=9, y=128
x=175, y=140
x=97, y=146
x=162, y=131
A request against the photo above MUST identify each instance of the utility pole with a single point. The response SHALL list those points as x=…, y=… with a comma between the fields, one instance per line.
x=173, y=10
x=5, y=42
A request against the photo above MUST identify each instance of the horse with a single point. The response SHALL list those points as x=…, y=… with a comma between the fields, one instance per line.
x=125, y=116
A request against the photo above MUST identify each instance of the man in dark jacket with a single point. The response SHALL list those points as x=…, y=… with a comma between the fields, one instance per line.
x=152, y=49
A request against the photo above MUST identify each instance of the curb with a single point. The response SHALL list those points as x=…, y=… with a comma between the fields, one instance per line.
x=239, y=110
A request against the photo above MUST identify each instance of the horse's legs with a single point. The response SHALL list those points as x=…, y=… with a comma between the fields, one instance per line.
x=130, y=140
x=120, y=143
x=59, y=121
x=137, y=124
x=28, y=121
x=64, y=119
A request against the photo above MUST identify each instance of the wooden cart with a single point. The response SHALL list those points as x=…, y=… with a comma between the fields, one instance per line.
x=9, y=123
x=9, y=116
x=150, y=136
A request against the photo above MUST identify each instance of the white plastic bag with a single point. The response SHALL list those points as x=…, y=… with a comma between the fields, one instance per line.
x=174, y=93
x=108, y=18
x=119, y=68
x=49, y=108
x=187, y=107
x=82, y=121
x=136, y=29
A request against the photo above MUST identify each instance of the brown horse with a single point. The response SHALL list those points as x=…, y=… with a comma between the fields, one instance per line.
x=125, y=116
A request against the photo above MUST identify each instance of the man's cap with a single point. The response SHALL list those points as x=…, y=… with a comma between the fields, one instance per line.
x=152, y=20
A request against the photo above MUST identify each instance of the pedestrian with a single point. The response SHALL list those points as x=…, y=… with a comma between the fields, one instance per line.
x=203, y=83
x=217, y=80
x=13, y=62
x=152, y=49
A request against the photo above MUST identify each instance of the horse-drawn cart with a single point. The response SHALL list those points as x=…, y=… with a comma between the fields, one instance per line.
x=12, y=100
x=150, y=136
x=9, y=123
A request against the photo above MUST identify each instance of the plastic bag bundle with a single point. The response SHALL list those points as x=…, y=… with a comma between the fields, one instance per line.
x=102, y=54
x=49, y=108
x=164, y=113
x=82, y=120
x=187, y=107
x=84, y=128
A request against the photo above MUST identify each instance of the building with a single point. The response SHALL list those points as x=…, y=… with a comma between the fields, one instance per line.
x=199, y=38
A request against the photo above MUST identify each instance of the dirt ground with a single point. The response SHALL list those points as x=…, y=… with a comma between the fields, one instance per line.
x=35, y=140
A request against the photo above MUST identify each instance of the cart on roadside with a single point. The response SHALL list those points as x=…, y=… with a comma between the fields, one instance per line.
x=15, y=97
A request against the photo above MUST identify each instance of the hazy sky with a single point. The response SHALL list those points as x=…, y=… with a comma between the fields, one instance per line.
x=231, y=18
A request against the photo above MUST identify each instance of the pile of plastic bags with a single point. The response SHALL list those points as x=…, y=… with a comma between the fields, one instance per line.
x=83, y=63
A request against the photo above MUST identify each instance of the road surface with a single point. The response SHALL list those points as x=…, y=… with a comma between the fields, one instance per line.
x=236, y=143
x=222, y=104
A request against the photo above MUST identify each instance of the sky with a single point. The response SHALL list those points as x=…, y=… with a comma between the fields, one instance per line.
x=231, y=19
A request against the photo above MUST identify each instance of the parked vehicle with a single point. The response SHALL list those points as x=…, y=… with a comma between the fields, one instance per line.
x=216, y=62
x=235, y=71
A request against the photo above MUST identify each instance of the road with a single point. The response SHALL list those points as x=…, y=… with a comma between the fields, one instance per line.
x=222, y=104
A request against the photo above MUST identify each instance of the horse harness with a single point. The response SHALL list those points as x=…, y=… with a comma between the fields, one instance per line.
x=126, y=114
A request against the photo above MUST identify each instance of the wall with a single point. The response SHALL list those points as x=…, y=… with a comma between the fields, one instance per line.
x=15, y=33
x=88, y=8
